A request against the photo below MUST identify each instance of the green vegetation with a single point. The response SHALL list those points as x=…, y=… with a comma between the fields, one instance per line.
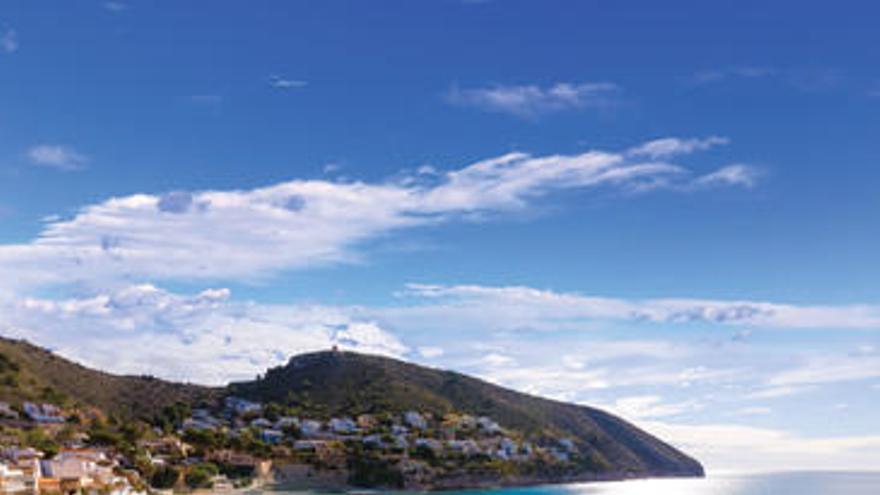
x=374, y=471
x=28, y=372
x=119, y=412
x=200, y=475
x=164, y=477
x=7, y=365
x=39, y=440
x=341, y=383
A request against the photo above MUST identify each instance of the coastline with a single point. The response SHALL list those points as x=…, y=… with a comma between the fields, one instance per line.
x=337, y=483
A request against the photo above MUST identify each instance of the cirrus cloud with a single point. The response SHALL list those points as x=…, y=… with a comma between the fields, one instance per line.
x=57, y=157
x=532, y=100
x=8, y=40
x=249, y=234
x=515, y=307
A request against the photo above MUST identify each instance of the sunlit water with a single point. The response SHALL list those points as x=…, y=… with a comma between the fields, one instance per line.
x=763, y=484
x=766, y=484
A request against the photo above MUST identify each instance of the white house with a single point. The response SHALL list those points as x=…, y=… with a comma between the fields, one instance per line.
x=488, y=426
x=429, y=443
x=272, y=437
x=509, y=447
x=343, y=425
x=308, y=445
x=17, y=455
x=238, y=406
x=310, y=428
x=567, y=445
x=261, y=423
x=286, y=421
x=26, y=461
x=198, y=424
x=374, y=440
x=43, y=413
x=400, y=442
x=415, y=420
x=560, y=455
x=6, y=411
x=12, y=480
x=88, y=467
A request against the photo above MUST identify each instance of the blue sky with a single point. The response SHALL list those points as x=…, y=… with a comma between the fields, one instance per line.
x=665, y=210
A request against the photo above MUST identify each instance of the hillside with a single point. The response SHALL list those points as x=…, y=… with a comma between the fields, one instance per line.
x=333, y=383
x=28, y=372
x=348, y=383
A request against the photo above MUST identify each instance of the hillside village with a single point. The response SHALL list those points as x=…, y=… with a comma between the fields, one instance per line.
x=237, y=443
x=329, y=420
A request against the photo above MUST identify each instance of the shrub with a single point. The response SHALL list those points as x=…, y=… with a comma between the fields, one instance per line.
x=367, y=472
x=164, y=477
x=200, y=475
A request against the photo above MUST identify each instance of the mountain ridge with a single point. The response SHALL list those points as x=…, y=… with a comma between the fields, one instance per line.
x=620, y=443
x=331, y=383
x=44, y=375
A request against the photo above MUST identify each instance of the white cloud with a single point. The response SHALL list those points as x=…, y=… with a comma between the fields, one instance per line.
x=775, y=392
x=803, y=79
x=719, y=75
x=722, y=446
x=57, y=157
x=541, y=309
x=115, y=7
x=548, y=379
x=282, y=83
x=238, y=339
x=248, y=234
x=534, y=100
x=206, y=338
x=642, y=407
x=495, y=360
x=666, y=147
x=753, y=411
x=829, y=369
x=731, y=175
x=430, y=352
x=8, y=41
x=737, y=174
x=331, y=168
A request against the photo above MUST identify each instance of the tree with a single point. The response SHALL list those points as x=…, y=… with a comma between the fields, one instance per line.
x=201, y=475
x=38, y=439
x=164, y=477
x=172, y=416
x=373, y=472
x=272, y=411
x=101, y=434
x=203, y=439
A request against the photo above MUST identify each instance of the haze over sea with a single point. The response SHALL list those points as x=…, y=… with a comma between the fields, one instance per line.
x=795, y=483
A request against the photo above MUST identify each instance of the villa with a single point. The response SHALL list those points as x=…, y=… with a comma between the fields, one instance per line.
x=43, y=413
x=12, y=481
x=6, y=411
x=310, y=428
x=343, y=425
x=415, y=420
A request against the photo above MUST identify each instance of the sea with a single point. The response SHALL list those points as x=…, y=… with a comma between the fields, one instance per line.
x=801, y=483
